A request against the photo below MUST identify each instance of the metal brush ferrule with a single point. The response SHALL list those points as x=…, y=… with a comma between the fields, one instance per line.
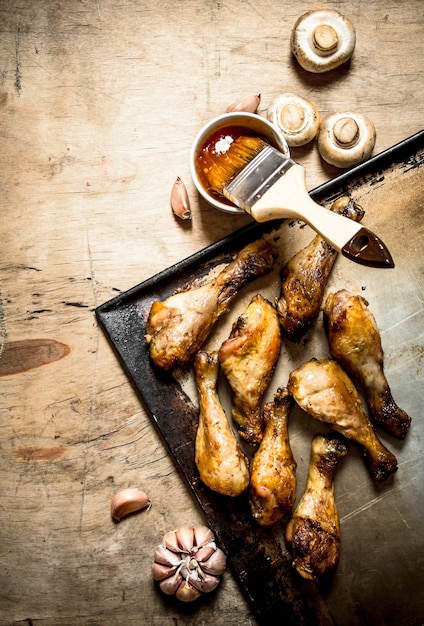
x=257, y=177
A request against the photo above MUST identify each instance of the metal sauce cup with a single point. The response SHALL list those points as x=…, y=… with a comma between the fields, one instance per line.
x=253, y=123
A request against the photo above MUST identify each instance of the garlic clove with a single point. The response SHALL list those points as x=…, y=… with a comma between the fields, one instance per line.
x=215, y=564
x=164, y=556
x=160, y=571
x=185, y=538
x=202, y=535
x=203, y=553
x=128, y=501
x=170, y=585
x=247, y=104
x=170, y=541
x=180, y=203
x=205, y=582
x=186, y=592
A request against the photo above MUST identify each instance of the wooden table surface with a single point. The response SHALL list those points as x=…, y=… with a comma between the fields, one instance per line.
x=100, y=102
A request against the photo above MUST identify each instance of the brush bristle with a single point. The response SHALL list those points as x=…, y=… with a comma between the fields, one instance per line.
x=230, y=163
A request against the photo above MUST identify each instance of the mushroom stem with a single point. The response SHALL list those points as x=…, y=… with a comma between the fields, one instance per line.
x=345, y=139
x=292, y=118
x=325, y=37
x=346, y=132
x=297, y=118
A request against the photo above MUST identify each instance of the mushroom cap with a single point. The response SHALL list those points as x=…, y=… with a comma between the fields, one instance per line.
x=345, y=139
x=321, y=40
x=298, y=119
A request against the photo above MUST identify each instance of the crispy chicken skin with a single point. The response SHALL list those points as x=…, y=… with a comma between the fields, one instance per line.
x=324, y=390
x=355, y=342
x=314, y=529
x=222, y=464
x=304, y=278
x=272, y=489
x=178, y=326
x=248, y=358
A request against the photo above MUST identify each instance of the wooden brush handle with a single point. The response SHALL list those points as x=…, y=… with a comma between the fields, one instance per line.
x=288, y=198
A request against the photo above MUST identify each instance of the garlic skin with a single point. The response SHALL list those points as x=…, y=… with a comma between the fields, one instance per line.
x=345, y=139
x=297, y=118
x=128, y=501
x=188, y=563
x=247, y=104
x=180, y=203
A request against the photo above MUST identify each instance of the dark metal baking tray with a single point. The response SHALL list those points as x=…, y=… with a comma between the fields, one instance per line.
x=380, y=578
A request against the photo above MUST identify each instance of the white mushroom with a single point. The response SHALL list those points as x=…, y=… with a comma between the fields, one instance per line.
x=322, y=40
x=345, y=139
x=297, y=118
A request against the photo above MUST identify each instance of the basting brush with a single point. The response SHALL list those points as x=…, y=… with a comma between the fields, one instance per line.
x=268, y=185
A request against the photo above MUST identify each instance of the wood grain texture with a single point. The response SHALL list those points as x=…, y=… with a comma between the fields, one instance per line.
x=100, y=101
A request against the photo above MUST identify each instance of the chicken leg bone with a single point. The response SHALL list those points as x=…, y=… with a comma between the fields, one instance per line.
x=314, y=529
x=355, y=342
x=324, y=390
x=222, y=465
x=272, y=487
x=178, y=326
x=248, y=358
x=305, y=276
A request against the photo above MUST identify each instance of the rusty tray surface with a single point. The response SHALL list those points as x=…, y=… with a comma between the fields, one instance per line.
x=380, y=578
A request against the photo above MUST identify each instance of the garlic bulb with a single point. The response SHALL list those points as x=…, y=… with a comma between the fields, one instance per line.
x=188, y=563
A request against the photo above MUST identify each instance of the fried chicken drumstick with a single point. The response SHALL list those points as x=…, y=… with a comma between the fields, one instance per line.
x=355, y=342
x=178, y=326
x=248, y=358
x=272, y=488
x=324, y=390
x=222, y=464
x=314, y=529
x=305, y=276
